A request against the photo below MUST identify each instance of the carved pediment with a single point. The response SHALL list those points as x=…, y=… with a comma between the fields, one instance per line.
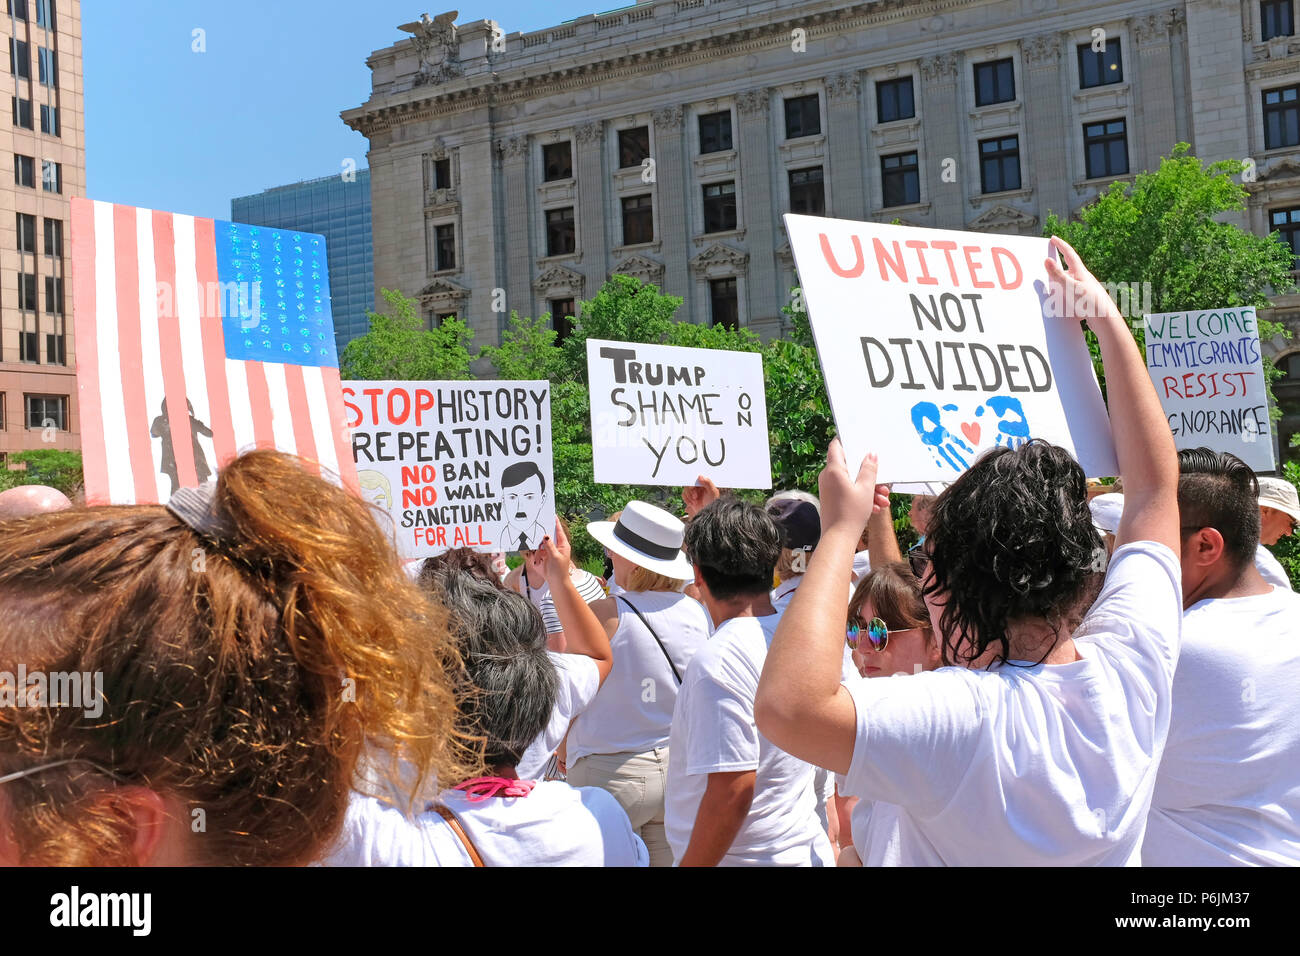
x=720, y=259
x=559, y=279
x=443, y=292
x=1003, y=218
x=785, y=254
x=1284, y=169
x=639, y=267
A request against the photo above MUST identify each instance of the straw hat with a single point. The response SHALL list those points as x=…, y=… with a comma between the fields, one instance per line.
x=647, y=536
x=1280, y=494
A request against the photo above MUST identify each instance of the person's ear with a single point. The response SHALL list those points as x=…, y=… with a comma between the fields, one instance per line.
x=144, y=814
x=1206, y=547
x=699, y=578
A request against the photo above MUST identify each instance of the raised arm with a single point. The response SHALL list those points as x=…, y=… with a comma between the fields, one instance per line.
x=1144, y=445
x=801, y=705
x=882, y=543
x=699, y=496
x=583, y=631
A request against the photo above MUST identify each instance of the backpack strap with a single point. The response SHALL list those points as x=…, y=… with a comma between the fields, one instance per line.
x=457, y=829
x=667, y=657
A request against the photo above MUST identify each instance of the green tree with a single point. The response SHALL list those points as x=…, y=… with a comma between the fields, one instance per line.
x=57, y=469
x=1164, y=230
x=624, y=310
x=399, y=347
x=1287, y=550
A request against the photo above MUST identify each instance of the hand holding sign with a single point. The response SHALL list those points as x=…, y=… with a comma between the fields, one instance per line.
x=699, y=496
x=846, y=501
x=1076, y=294
x=557, y=554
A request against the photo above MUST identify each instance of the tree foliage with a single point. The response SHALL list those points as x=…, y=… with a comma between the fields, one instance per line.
x=57, y=469
x=399, y=347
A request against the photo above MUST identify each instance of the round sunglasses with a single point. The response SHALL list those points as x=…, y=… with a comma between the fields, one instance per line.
x=877, y=634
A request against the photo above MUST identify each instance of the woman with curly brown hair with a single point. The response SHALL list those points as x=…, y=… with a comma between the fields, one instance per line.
x=255, y=638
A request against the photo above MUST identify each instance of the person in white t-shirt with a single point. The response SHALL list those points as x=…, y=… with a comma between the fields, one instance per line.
x=1228, y=790
x=735, y=799
x=505, y=820
x=1042, y=746
x=1279, y=515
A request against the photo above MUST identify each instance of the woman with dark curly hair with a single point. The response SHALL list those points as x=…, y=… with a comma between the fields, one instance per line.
x=1042, y=746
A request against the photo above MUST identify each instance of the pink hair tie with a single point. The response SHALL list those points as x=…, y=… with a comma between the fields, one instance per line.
x=480, y=788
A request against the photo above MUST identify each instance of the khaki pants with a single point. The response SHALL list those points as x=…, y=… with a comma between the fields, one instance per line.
x=636, y=781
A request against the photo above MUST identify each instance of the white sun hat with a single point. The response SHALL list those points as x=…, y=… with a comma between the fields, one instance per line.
x=1280, y=494
x=647, y=536
x=1106, y=510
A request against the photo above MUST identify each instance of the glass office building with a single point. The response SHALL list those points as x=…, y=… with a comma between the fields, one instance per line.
x=339, y=210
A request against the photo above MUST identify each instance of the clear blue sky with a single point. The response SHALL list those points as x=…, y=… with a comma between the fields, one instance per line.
x=172, y=129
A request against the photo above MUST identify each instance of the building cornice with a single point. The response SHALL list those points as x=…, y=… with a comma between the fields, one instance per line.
x=505, y=87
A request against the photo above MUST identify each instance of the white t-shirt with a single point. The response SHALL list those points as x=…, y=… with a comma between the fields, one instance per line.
x=714, y=732
x=588, y=586
x=876, y=832
x=1033, y=765
x=555, y=825
x=633, y=710
x=861, y=565
x=579, y=681
x=1271, y=568
x=1228, y=791
x=377, y=834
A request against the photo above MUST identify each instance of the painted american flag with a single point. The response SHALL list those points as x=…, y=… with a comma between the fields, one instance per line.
x=196, y=340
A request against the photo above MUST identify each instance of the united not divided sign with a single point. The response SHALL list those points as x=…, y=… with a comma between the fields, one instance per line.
x=198, y=339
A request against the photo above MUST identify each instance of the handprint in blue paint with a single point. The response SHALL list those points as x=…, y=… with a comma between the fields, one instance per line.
x=945, y=446
x=1012, y=432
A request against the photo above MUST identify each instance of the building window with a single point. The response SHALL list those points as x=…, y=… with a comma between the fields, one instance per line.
x=51, y=176
x=803, y=116
x=48, y=67
x=715, y=132
x=53, y=295
x=557, y=162
x=442, y=174
x=995, y=82
x=22, y=112
x=50, y=120
x=724, y=303
x=562, y=318
x=561, y=236
x=45, y=13
x=638, y=220
x=54, y=237
x=444, y=247
x=18, y=9
x=47, y=411
x=27, y=291
x=894, y=100
x=633, y=146
x=20, y=59
x=900, y=179
x=27, y=347
x=1281, y=117
x=1286, y=223
x=807, y=191
x=1105, y=148
x=1000, y=164
x=720, y=207
x=439, y=319
x=55, y=349
x=1100, y=67
x=26, y=227
x=24, y=171
x=1276, y=19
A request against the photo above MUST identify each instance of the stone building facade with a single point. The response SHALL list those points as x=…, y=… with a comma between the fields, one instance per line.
x=516, y=171
x=43, y=143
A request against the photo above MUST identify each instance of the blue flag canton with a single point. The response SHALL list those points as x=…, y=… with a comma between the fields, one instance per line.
x=275, y=295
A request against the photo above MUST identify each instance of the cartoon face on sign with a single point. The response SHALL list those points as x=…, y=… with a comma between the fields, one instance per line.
x=523, y=496
x=953, y=435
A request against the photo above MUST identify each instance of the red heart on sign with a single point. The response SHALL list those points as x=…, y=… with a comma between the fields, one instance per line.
x=971, y=431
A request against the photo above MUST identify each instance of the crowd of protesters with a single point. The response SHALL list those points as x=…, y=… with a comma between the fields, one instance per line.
x=1079, y=675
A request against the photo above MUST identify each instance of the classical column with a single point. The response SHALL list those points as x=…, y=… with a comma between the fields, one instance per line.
x=756, y=212
x=478, y=245
x=672, y=202
x=942, y=126
x=1154, y=134
x=1043, y=157
x=592, y=195
x=847, y=199
x=518, y=217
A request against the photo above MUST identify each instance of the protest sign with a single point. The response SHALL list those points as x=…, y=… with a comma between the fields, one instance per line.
x=455, y=464
x=198, y=339
x=664, y=415
x=1209, y=373
x=938, y=345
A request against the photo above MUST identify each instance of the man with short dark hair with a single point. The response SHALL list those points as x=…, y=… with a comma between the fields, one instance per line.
x=1228, y=788
x=733, y=797
x=523, y=495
